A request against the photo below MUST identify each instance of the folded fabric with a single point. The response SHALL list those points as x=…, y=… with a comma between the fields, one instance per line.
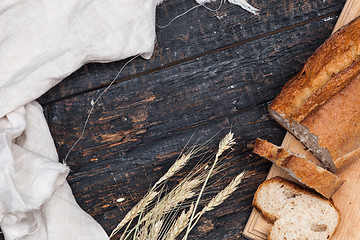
x=43, y=41
x=30, y=173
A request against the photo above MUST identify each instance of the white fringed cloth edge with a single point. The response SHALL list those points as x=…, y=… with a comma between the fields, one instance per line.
x=42, y=42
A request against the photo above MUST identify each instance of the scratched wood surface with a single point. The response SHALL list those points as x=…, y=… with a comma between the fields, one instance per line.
x=257, y=228
x=211, y=71
x=199, y=33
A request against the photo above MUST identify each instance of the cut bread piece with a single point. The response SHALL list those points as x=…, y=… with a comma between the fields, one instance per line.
x=337, y=53
x=297, y=214
x=303, y=170
x=317, y=105
x=331, y=130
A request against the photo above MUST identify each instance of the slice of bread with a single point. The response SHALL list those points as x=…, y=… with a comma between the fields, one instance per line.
x=317, y=105
x=303, y=170
x=297, y=214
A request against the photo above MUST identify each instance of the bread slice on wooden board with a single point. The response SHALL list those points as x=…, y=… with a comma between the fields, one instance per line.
x=297, y=214
x=303, y=170
x=317, y=105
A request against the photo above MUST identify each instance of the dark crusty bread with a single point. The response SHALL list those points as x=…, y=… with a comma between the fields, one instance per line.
x=303, y=170
x=297, y=214
x=317, y=105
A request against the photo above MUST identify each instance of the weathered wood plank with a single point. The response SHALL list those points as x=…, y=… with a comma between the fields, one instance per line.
x=140, y=126
x=195, y=34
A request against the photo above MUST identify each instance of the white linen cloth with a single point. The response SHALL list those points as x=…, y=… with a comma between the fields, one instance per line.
x=42, y=42
x=36, y=201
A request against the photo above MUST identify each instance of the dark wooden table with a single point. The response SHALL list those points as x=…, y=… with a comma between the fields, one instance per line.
x=211, y=71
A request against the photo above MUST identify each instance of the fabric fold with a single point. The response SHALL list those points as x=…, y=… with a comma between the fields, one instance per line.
x=42, y=42
x=30, y=171
x=37, y=202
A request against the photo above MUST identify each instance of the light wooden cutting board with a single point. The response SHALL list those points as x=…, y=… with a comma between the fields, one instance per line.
x=347, y=199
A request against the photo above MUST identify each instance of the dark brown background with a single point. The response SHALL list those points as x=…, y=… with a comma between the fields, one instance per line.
x=211, y=71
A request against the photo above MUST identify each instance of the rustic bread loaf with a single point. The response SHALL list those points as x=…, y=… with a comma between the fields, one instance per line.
x=303, y=170
x=297, y=214
x=317, y=105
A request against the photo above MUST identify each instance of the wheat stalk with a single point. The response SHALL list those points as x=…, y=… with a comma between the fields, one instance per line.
x=143, y=233
x=176, y=196
x=157, y=221
x=220, y=197
x=223, y=194
x=180, y=163
x=180, y=224
x=177, y=166
x=224, y=144
x=186, y=189
x=134, y=211
x=155, y=230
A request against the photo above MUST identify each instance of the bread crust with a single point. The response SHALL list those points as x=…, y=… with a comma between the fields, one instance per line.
x=337, y=123
x=337, y=53
x=269, y=217
x=321, y=100
x=296, y=188
x=306, y=172
x=328, y=90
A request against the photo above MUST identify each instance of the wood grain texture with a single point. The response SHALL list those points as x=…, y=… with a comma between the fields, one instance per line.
x=210, y=71
x=140, y=126
x=195, y=34
x=346, y=197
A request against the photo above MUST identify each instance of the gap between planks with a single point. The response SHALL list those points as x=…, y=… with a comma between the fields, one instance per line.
x=123, y=79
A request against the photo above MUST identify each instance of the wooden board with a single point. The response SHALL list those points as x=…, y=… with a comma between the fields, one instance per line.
x=196, y=34
x=347, y=198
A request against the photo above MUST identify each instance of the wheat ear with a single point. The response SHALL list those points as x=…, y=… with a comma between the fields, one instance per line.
x=223, y=194
x=180, y=224
x=176, y=196
x=155, y=230
x=177, y=166
x=134, y=211
x=220, y=197
x=224, y=144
